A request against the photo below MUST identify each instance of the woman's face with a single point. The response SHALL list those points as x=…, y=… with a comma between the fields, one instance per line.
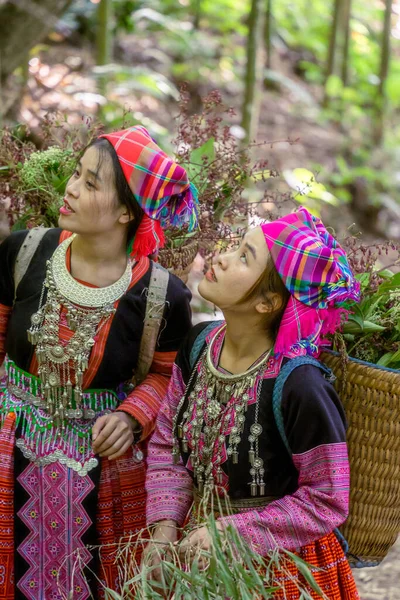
x=90, y=203
x=234, y=273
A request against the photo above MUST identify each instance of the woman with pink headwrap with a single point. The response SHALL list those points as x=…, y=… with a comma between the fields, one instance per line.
x=229, y=426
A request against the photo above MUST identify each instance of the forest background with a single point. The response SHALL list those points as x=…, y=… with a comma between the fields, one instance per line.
x=319, y=81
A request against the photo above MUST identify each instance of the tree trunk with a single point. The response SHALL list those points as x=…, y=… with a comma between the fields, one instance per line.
x=250, y=110
x=383, y=73
x=104, y=32
x=197, y=14
x=268, y=33
x=346, y=40
x=23, y=24
x=331, y=62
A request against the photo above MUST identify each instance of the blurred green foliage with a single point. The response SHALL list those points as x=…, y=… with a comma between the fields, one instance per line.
x=158, y=44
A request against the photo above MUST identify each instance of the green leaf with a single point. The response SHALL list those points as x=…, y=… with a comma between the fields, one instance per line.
x=357, y=319
x=349, y=337
x=395, y=357
x=304, y=569
x=364, y=279
x=389, y=285
x=196, y=164
x=368, y=327
x=385, y=360
x=386, y=274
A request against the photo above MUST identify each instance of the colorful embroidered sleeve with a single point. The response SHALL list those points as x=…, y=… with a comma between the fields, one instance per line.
x=314, y=425
x=168, y=485
x=144, y=402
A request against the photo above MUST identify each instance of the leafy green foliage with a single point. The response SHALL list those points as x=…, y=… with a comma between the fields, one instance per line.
x=47, y=171
x=372, y=332
x=234, y=571
x=42, y=181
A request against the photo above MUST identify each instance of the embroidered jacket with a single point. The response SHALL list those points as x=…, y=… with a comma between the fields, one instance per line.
x=120, y=503
x=312, y=486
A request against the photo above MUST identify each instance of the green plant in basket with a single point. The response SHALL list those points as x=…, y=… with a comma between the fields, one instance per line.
x=372, y=333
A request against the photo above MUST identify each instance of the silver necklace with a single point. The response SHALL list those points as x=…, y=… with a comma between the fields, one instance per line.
x=62, y=365
x=218, y=400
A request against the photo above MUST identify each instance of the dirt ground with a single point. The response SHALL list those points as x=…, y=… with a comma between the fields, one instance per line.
x=383, y=582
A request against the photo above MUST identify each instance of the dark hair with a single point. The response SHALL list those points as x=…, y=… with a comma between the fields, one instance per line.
x=269, y=282
x=124, y=192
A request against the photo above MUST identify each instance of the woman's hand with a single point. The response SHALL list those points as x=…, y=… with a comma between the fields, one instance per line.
x=195, y=544
x=113, y=434
x=164, y=535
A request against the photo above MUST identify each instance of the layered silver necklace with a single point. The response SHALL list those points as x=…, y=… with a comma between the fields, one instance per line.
x=61, y=366
x=218, y=403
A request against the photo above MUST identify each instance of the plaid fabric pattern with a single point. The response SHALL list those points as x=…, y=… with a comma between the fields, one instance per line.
x=310, y=261
x=160, y=185
x=315, y=270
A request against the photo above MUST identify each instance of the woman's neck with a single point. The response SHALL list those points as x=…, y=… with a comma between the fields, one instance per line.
x=246, y=339
x=100, y=249
x=98, y=260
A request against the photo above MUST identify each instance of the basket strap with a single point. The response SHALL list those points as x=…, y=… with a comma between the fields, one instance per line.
x=200, y=341
x=25, y=254
x=155, y=305
x=280, y=381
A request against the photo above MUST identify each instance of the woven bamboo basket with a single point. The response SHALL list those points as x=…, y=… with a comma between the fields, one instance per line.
x=179, y=260
x=371, y=397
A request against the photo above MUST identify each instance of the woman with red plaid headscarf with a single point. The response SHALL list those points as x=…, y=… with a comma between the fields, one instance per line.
x=73, y=426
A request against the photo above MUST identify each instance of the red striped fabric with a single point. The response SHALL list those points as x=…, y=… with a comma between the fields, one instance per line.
x=7, y=441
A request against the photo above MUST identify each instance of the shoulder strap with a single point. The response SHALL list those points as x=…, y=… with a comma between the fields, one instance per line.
x=155, y=305
x=200, y=341
x=280, y=381
x=25, y=254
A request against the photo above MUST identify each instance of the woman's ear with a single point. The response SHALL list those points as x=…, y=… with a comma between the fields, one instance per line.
x=126, y=216
x=271, y=304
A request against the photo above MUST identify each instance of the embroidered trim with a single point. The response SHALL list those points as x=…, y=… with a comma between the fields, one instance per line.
x=57, y=456
x=40, y=439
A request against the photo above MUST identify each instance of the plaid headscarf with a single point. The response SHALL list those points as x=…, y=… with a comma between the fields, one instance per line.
x=160, y=186
x=315, y=270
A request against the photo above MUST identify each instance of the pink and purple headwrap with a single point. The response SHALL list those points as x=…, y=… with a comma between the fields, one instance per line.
x=315, y=270
x=160, y=186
